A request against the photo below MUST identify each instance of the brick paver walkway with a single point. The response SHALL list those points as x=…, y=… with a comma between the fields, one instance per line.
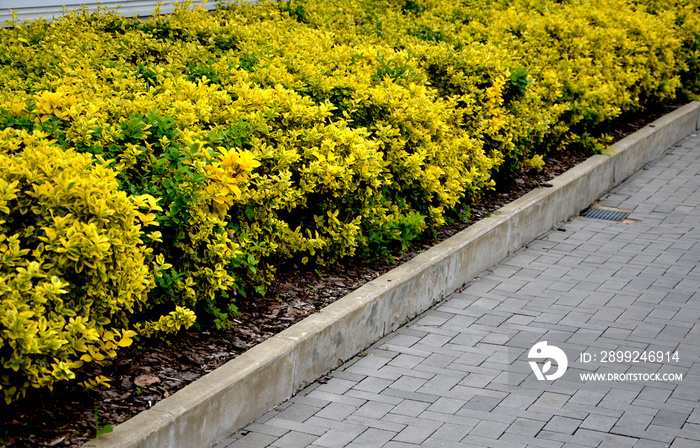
x=458, y=375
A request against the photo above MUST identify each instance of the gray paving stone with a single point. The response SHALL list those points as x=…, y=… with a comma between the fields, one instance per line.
x=567, y=439
x=405, y=360
x=516, y=400
x=336, y=411
x=596, y=422
x=295, y=439
x=253, y=440
x=525, y=427
x=694, y=417
x=552, y=400
x=374, y=397
x=532, y=441
x=397, y=444
x=266, y=429
x=327, y=424
x=632, y=419
x=408, y=383
x=442, y=381
x=410, y=408
x=373, y=409
x=374, y=437
x=436, y=340
x=403, y=340
x=644, y=443
x=602, y=437
x=298, y=412
x=488, y=429
x=337, y=438
x=439, y=360
x=440, y=443
x=375, y=423
x=684, y=443
x=413, y=421
x=451, y=432
x=562, y=425
x=446, y=405
x=465, y=421
x=670, y=419
x=336, y=398
x=296, y=426
x=481, y=403
x=373, y=384
x=414, y=434
x=336, y=386
x=386, y=372
x=417, y=396
x=618, y=399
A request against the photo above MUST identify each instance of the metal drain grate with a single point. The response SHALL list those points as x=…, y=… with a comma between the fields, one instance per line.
x=610, y=215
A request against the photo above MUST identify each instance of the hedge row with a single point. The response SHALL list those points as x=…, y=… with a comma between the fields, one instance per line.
x=154, y=171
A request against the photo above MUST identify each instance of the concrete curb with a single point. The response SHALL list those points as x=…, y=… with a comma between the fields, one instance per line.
x=231, y=397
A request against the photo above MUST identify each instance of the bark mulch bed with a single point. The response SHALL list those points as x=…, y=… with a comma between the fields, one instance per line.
x=151, y=370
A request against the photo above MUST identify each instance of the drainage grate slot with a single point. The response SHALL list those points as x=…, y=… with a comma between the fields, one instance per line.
x=609, y=215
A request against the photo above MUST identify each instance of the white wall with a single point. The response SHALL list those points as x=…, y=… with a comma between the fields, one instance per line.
x=32, y=9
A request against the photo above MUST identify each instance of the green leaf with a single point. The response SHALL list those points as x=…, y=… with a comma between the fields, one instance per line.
x=106, y=429
x=249, y=213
